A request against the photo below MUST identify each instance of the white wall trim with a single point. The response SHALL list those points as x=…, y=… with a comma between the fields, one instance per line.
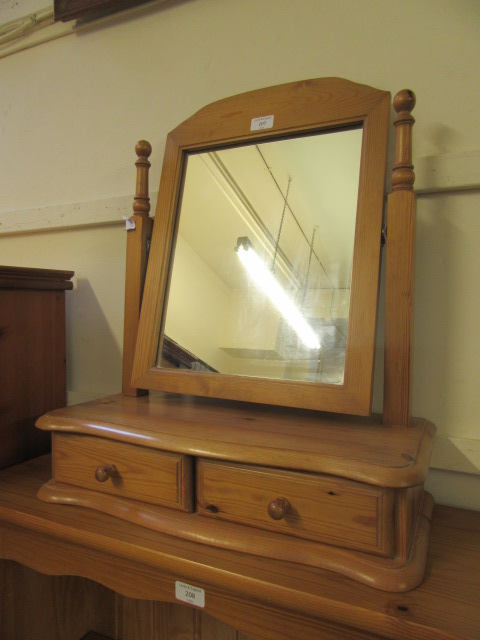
x=448, y=172
x=456, y=454
x=443, y=173
x=78, y=397
x=39, y=27
x=19, y=27
x=30, y=30
x=68, y=215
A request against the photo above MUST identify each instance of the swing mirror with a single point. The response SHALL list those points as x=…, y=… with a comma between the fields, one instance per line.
x=263, y=274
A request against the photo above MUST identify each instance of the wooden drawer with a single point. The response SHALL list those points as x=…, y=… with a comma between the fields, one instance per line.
x=321, y=508
x=149, y=475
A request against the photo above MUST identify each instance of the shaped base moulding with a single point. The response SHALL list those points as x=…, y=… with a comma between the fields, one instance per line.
x=387, y=574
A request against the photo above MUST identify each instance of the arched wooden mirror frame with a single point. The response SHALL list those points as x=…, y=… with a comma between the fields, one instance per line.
x=298, y=108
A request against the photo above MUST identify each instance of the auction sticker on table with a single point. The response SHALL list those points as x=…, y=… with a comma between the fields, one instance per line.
x=189, y=593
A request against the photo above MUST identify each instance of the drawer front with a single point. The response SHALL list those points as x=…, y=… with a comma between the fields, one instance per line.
x=149, y=475
x=321, y=508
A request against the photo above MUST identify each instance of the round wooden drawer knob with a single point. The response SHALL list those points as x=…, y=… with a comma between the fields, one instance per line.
x=102, y=474
x=277, y=509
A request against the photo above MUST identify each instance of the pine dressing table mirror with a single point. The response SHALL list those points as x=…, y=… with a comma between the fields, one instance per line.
x=256, y=343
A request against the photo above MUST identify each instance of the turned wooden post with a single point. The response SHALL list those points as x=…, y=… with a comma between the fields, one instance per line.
x=400, y=258
x=138, y=238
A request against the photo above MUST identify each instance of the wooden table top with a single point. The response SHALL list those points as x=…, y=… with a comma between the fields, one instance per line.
x=240, y=589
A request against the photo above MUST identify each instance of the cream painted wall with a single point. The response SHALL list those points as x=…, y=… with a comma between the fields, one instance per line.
x=72, y=109
x=94, y=308
x=197, y=307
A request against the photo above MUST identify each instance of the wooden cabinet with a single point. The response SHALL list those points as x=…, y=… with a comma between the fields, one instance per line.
x=277, y=483
x=32, y=357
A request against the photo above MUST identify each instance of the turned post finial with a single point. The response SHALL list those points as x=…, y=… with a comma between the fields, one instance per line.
x=141, y=202
x=138, y=238
x=403, y=176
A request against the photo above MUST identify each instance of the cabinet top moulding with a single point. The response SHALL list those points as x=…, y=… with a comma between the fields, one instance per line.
x=33, y=278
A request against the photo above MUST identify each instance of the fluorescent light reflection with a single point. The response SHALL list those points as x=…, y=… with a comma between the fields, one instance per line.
x=261, y=275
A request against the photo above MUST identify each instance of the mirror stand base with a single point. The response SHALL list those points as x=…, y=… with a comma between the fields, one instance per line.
x=396, y=574
x=208, y=471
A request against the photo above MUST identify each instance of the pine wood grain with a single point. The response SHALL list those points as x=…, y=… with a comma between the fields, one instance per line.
x=322, y=508
x=136, y=619
x=401, y=572
x=400, y=264
x=357, y=449
x=39, y=607
x=259, y=597
x=150, y=475
x=136, y=266
x=331, y=531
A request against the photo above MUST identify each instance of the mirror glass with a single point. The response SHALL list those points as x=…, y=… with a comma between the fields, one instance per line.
x=261, y=276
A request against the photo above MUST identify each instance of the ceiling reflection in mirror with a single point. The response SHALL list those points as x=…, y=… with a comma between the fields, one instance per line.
x=262, y=269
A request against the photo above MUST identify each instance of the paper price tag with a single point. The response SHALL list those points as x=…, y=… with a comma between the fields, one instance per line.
x=264, y=122
x=189, y=593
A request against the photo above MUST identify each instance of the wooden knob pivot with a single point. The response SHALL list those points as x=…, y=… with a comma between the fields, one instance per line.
x=102, y=474
x=277, y=509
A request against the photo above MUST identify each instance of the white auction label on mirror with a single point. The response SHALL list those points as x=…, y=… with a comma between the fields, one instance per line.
x=264, y=122
x=189, y=593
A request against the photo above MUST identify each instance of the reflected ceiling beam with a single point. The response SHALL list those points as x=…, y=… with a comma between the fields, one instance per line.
x=247, y=212
x=310, y=243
